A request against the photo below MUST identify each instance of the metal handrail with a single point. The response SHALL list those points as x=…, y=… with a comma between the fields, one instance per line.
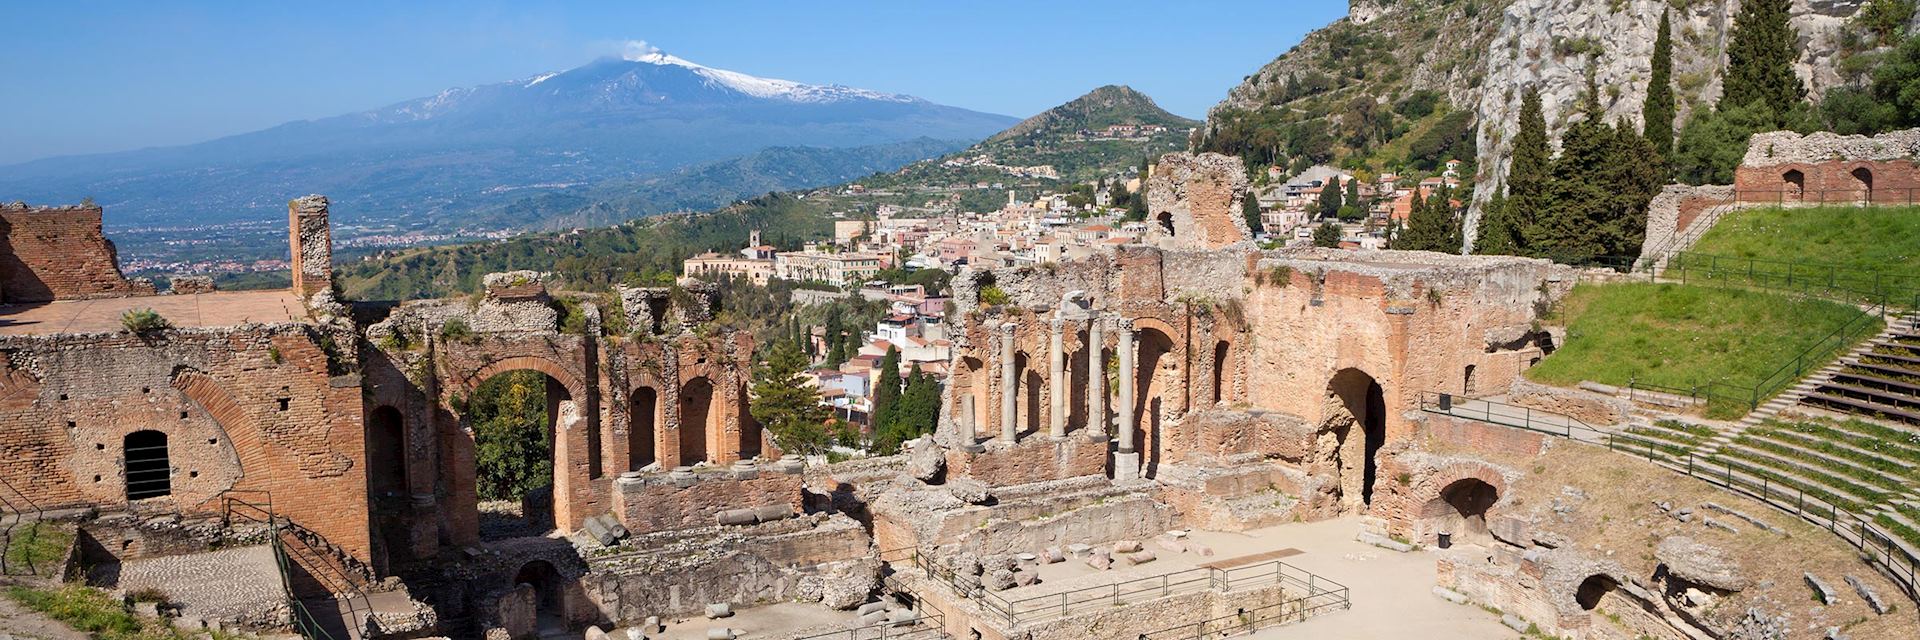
x=1246, y=620
x=1876, y=544
x=304, y=621
x=20, y=511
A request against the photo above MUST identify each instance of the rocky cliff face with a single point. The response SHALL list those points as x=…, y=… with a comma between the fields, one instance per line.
x=1483, y=53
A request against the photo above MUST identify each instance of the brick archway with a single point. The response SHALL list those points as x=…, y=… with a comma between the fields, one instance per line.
x=229, y=418
x=1432, y=504
x=568, y=379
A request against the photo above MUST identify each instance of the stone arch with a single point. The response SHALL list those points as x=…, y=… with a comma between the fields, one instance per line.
x=971, y=398
x=750, y=431
x=549, y=592
x=148, y=469
x=1456, y=499
x=386, y=449
x=1863, y=181
x=1156, y=380
x=1795, y=182
x=1027, y=404
x=535, y=363
x=643, y=425
x=1356, y=403
x=565, y=415
x=1222, y=350
x=1593, y=590
x=1466, y=384
x=698, y=417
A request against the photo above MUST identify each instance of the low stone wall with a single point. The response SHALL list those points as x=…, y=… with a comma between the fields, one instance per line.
x=1163, y=613
x=1224, y=434
x=1034, y=459
x=1673, y=212
x=653, y=502
x=1592, y=408
x=819, y=558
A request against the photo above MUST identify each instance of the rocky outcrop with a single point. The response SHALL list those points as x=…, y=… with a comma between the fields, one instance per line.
x=1700, y=563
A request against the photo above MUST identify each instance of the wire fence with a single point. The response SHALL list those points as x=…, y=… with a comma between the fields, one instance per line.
x=22, y=518
x=1323, y=593
x=1876, y=545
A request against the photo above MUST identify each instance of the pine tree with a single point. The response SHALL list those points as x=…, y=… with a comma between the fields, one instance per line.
x=886, y=389
x=1760, y=59
x=916, y=413
x=1579, y=195
x=1658, y=110
x=1250, y=209
x=1528, y=174
x=1327, y=235
x=786, y=406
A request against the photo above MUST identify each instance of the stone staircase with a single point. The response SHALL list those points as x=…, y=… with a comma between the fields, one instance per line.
x=1879, y=380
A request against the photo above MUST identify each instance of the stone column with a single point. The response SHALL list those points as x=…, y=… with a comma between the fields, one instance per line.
x=1126, y=462
x=1057, y=380
x=1009, y=386
x=1096, y=382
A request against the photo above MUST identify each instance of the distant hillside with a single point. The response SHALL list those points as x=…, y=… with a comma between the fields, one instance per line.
x=1098, y=109
x=1054, y=139
x=432, y=163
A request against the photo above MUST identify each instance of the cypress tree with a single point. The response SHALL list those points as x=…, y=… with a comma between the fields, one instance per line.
x=1495, y=235
x=1760, y=59
x=1528, y=173
x=787, y=407
x=1432, y=225
x=1250, y=209
x=886, y=389
x=1658, y=111
x=1329, y=203
x=1577, y=188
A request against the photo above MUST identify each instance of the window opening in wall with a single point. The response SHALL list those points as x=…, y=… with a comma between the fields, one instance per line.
x=149, y=473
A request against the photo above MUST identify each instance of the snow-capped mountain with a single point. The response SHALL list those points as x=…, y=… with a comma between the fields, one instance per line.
x=621, y=117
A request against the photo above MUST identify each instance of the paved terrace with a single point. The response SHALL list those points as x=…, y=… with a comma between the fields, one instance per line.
x=217, y=309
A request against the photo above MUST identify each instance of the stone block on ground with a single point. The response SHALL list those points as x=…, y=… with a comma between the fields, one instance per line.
x=1201, y=550
x=1079, y=550
x=719, y=610
x=1821, y=590
x=1053, y=555
x=1140, y=557
x=1025, y=578
x=999, y=580
x=1171, y=544
x=1514, y=622
x=1868, y=594
x=1126, y=546
x=1450, y=595
x=1700, y=563
x=772, y=512
x=870, y=608
x=969, y=490
x=925, y=460
x=737, y=517
x=720, y=633
x=1384, y=542
x=1099, y=562
x=595, y=633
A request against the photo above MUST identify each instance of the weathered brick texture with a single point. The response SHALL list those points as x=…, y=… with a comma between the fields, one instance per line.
x=59, y=253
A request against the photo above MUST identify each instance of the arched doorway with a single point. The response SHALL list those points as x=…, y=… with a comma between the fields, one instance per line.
x=1593, y=590
x=386, y=452
x=1026, y=396
x=1359, y=404
x=1796, y=184
x=1461, y=511
x=549, y=598
x=972, y=395
x=749, y=430
x=388, y=498
x=1157, y=377
x=149, y=470
x=515, y=418
x=642, y=421
x=696, y=420
x=1863, y=177
x=1219, y=371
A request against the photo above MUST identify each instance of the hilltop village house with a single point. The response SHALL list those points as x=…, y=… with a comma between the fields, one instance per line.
x=1180, y=379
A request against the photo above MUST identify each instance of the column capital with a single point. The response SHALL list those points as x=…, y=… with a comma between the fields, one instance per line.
x=1058, y=324
x=1123, y=325
x=1007, y=329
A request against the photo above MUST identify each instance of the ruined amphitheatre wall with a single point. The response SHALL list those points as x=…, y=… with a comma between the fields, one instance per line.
x=251, y=408
x=59, y=253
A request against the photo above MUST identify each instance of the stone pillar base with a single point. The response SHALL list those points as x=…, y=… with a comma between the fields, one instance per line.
x=973, y=447
x=1097, y=437
x=1126, y=467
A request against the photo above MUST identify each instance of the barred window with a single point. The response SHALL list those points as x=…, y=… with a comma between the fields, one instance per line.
x=149, y=473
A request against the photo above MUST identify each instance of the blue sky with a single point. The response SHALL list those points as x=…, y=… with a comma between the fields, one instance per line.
x=86, y=76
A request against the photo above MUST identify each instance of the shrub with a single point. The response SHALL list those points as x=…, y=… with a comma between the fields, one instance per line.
x=456, y=330
x=144, y=321
x=993, y=296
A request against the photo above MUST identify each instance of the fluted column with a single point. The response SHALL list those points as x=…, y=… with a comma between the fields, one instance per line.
x=1009, y=386
x=1127, y=385
x=1096, y=381
x=1057, y=380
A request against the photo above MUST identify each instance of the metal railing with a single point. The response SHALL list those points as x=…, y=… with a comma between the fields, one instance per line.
x=15, y=502
x=1862, y=196
x=1875, y=544
x=1245, y=620
x=308, y=625
x=1817, y=279
x=1059, y=605
x=1527, y=418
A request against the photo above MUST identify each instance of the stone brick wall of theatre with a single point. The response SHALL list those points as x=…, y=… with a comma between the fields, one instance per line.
x=656, y=502
x=1035, y=458
x=59, y=253
x=249, y=408
x=1415, y=327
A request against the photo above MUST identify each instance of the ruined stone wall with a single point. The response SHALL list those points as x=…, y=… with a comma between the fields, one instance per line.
x=1673, y=211
x=311, y=238
x=1035, y=459
x=1194, y=200
x=1787, y=167
x=817, y=558
x=59, y=253
x=245, y=409
x=683, y=500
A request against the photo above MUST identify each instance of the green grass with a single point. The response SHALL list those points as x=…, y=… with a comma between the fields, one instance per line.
x=38, y=545
x=1865, y=238
x=1680, y=337
x=93, y=612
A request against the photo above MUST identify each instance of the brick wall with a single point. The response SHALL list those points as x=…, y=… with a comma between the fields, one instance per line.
x=1892, y=181
x=312, y=243
x=1033, y=459
x=59, y=253
x=673, y=501
x=249, y=408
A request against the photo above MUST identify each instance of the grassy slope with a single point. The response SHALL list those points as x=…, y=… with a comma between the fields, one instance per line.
x=1866, y=238
x=1681, y=336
